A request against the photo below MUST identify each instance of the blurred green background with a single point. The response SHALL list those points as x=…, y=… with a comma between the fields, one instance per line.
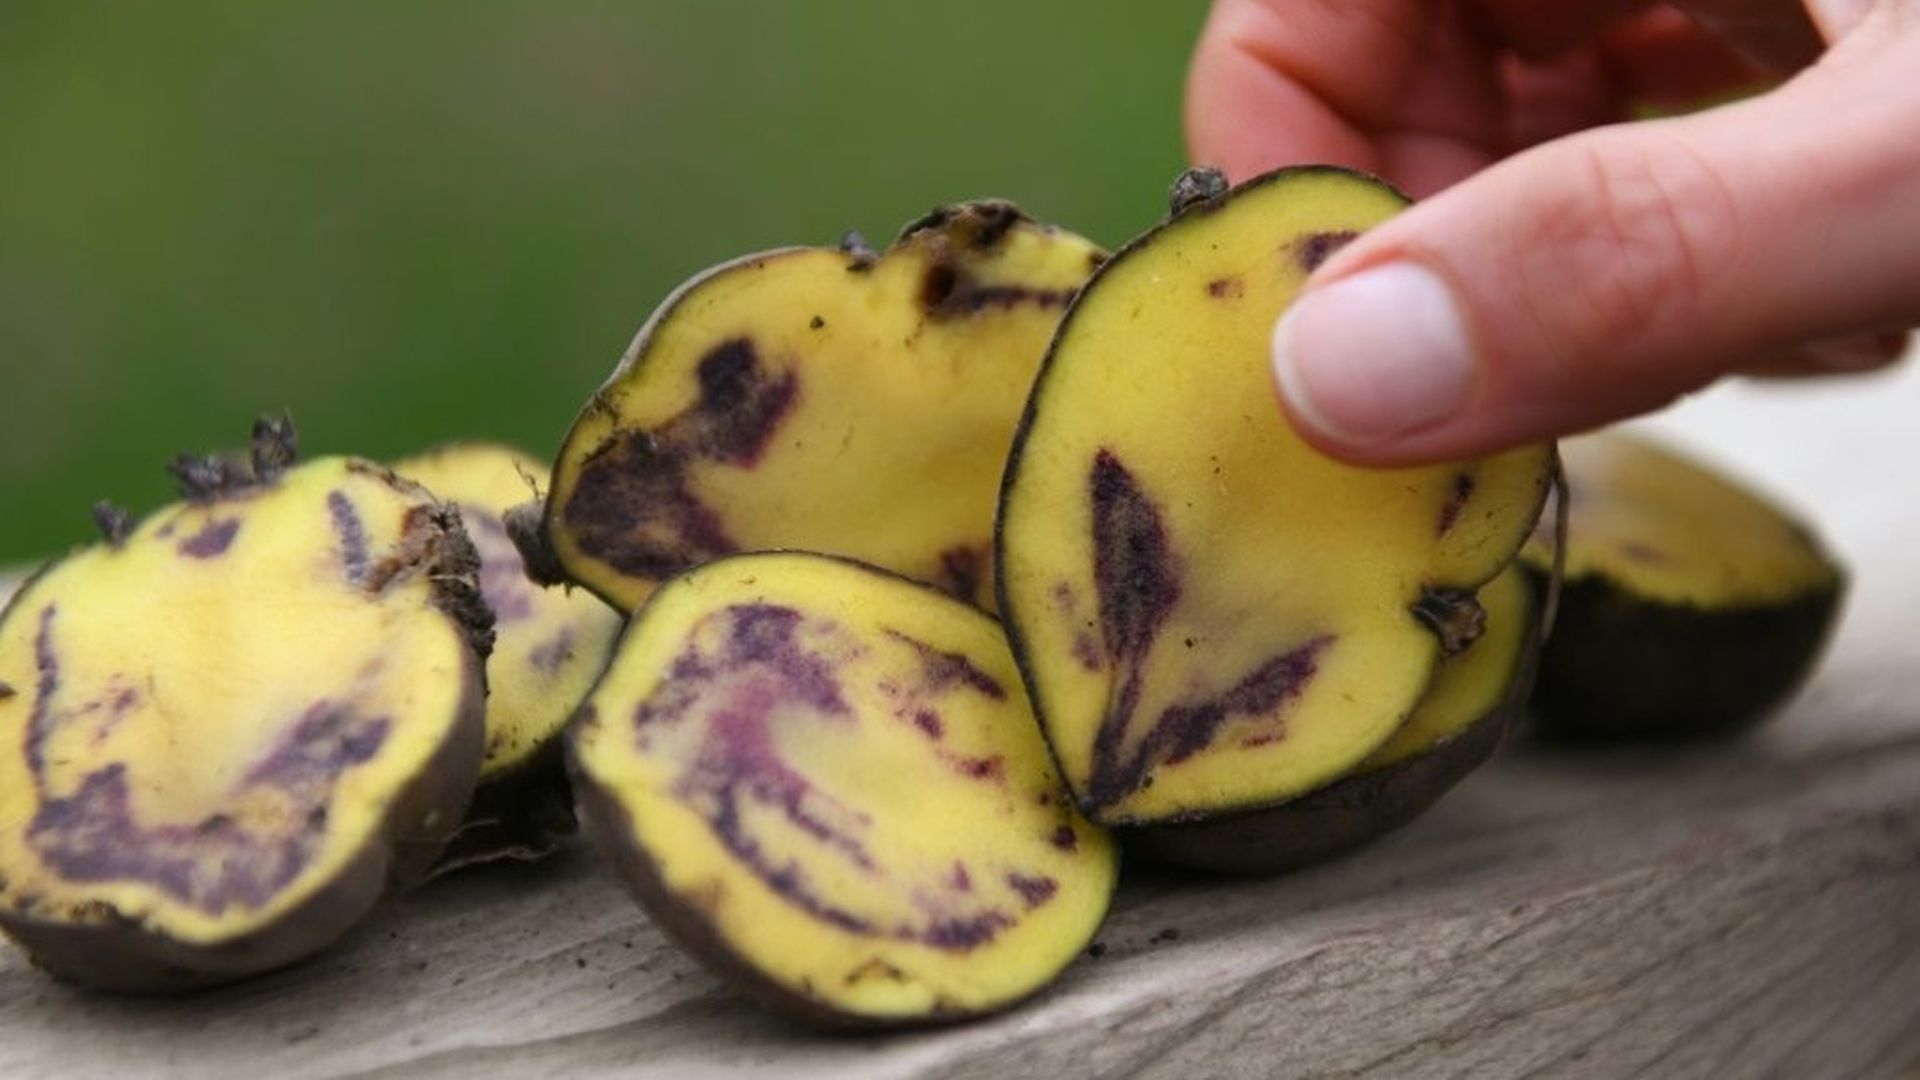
x=410, y=222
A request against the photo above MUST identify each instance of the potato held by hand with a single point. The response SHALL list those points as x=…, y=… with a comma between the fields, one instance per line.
x=231, y=730
x=825, y=781
x=818, y=399
x=1211, y=616
x=1692, y=606
x=1476, y=697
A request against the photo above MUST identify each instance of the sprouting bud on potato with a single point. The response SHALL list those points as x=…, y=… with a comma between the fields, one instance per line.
x=549, y=646
x=822, y=399
x=825, y=781
x=1212, y=617
x=232, y=728
x=1693, y=605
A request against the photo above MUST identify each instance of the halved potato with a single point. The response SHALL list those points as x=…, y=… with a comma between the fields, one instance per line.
x=825, y=781
x=823, y=399
x=549, y=647
x=232, y=729
x=1212, y=616
x=1693, y=605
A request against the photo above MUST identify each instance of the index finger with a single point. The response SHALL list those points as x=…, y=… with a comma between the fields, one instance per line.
x=1404, y=88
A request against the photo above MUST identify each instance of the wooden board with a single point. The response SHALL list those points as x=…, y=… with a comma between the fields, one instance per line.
x=1725, y=911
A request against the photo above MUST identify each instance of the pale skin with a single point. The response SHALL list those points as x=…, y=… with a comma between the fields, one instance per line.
x=1567, y=265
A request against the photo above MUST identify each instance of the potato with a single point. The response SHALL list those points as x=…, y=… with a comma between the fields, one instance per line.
x=549, y=646
x=1693, y=605
x=1211, y=616
x=825, y=781
x=236, y=726
x=818, y=399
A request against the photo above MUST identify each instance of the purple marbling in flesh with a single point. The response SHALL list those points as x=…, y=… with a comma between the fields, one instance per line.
x=1317, y=248
x=47, y=683
x=350, y=533
x=770, y=669
x=91, y=835
x=633, y=505
x=942, y=671
x=548, y=656
x=503, y=574
x=1457, y=497
x=961, y=933
x=1642, y=553
x=1034, y=890
x=1086, y=650
x=213, y=539
x=1134, y=570
x=962, y=567
x=1184, y=730
x=947, y=292
x=1137, y=578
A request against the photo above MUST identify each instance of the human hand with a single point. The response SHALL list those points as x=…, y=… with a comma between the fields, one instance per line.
x=1565, y=270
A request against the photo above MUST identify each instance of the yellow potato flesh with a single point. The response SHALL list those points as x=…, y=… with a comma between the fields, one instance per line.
x=259, y=676
x=549, y=644
x=1670, y=530
x=1472, y=684
x=863, y=410
x=1282, y=650
x=837, y=773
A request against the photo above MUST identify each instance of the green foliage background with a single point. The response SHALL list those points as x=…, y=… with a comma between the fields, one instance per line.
x=413, y=221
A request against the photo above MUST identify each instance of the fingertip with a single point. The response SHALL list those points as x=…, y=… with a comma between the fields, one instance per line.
x=1375, y=356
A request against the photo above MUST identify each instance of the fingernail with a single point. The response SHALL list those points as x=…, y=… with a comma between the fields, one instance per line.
x=1374, y=356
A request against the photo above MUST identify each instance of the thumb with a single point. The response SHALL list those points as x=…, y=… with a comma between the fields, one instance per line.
x=1608, y=273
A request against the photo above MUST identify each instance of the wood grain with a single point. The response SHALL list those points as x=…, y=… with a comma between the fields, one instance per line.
x=1745, y=909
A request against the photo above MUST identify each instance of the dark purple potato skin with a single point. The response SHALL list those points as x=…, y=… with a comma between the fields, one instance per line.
x=1348, y=813
x=1331, y=821
x=523, y=815
x=1624, y=669
x=122, y=956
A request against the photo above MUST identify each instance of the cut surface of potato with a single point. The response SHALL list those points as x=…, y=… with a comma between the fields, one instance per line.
x=1693, y=604
x=1475, y=698
x=234, y=726
x=1675, y=531
x=549, y=646
x=826, y=782
x=1474, y=684
x=1211, y=615
x=820, y=399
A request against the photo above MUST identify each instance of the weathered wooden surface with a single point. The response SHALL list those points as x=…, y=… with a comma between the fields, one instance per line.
x=1746, y=909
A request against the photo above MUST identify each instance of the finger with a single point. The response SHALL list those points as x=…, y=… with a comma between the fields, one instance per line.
x=1838, y=356
x=1838, y=18
x=1549, y=99
x=1659, y=58
x=1777, y=34
x=1268, y=87
x=1665, y=59
x=1606, y=274
x=1379, y=85
x=1537, y=31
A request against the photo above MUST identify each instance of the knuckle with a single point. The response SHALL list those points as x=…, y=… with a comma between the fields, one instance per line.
x=1632, y=246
